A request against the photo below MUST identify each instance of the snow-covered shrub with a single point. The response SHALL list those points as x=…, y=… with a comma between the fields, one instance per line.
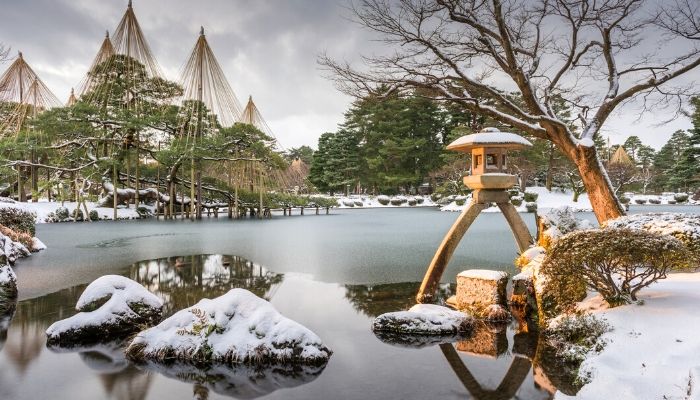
x=460, y=200
x=238, y=327
x=531, y=207
x=531, y=197
x=684, y=227
x=402, y=199
x=10, y=250
x=383, y=200
x=348, y=203
x=424, y=319
x=558, y=222
x=412, y=201
x=78, y=215
x=680, y=197
x=419, y=199
x=359, y=203
x=18, y=220
x=516, y=201
x=616, y=263
x=573, y=336
x=640, y=201
x=625, y=199
x=93, y=215
x=62, y=214
x=144, y=212
x=112, y=306
x=435, y=197
x=671, y=201
x=654, y=200
x=395, y=201
x=8, y=282
x=513, y=193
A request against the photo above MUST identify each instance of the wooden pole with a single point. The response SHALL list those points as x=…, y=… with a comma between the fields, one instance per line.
x=136, y=170
x=443, y=254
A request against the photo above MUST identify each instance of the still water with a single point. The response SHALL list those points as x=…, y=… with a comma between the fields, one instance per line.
x=332, y=274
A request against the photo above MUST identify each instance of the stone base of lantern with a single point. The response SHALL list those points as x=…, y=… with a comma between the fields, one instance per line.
x=479, y=289
x=490, y=181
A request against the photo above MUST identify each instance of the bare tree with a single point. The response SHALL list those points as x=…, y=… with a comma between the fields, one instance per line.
x=595, y=56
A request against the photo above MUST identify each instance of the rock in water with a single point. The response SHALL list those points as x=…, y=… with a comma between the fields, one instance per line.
x=238, y=327
x=110, y=307
x=424, y=319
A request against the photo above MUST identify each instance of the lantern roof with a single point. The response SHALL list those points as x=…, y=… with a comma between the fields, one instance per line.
x=489, y=137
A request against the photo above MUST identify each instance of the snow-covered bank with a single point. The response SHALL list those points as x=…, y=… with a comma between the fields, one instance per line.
x=45, y=210
x=651, y=352
x=382, y=201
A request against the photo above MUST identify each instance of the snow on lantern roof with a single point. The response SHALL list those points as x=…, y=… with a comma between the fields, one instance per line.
x=489, y=137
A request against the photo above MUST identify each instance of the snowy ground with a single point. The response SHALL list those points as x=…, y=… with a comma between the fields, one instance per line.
x=652, y=351
x=558, y=198
x=42, y=209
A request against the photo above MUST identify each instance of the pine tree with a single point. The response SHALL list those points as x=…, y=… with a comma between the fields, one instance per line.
x=686, y=172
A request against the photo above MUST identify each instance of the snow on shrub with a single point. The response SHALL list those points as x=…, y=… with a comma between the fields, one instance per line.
x=419, y=199
x=684, y=227
x=10, y=250
x=8, y=283
x=640, y=201
x=93, y=215
x=654, y=201
x=144, y=212
x=516, y=201
x=395, y=201
x=424, y=319
x=680, y=197
x=383, y=200
x=558, y=222
x=17, y=236
x=18, y=220
x=616, y=263
x=624, y=199
x=460, y=200
x=531, y=207
x=412, y=201
x=359, y=203
x=531, y=197
x=348, y=202
x=238, y=327
x=110, y=307
x=574, y=336
x=78, y=214
x=62, y=214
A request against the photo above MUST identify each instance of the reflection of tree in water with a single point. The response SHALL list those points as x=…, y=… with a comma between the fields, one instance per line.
x=183, y=281
x=373, y=300
x=120, y=379
x=7, y=311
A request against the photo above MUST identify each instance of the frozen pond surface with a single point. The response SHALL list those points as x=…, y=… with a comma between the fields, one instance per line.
x=332, y=274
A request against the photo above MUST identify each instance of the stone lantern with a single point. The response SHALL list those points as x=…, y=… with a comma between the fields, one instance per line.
x=489, y=182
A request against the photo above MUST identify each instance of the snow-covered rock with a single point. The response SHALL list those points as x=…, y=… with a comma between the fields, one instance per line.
x=12, y=250
x=424, y=319
x=562, y=220
x=8, y=283
x=237, y=327
x=110, y=307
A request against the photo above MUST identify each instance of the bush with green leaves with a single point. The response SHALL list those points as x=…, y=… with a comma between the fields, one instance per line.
x=18, y=220
x=531, y=207
x=617, y=263
x=383, y=200
x=460, y=200
x=625, y=200
x=93, y=215
x=516, y=201
x=78, y=215
x=640, y=201
x=531, y=197
x=62, y=214
x=654, y=201
x=680, y=197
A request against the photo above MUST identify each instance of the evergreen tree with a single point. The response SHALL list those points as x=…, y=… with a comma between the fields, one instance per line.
x=666, y=159
x=686, y=172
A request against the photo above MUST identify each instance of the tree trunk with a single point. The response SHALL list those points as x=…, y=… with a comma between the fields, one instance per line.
x=595, y=180
x=550, y=168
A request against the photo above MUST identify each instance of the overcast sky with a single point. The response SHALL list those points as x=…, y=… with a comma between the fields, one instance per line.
x=268, y=49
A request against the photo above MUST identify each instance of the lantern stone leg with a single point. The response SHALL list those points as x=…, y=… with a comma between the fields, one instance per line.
x=443, y=254
x=517, y=225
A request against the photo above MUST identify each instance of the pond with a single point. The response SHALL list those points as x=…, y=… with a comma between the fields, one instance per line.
x=333, y=274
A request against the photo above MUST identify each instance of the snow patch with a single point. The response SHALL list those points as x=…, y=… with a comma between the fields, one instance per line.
x=485, y=274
